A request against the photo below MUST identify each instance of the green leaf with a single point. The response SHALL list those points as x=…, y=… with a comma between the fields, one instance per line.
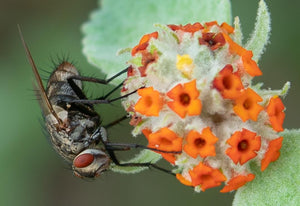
x=279, y=184
x=143, y=157
x=120, y=24
x=261, y=34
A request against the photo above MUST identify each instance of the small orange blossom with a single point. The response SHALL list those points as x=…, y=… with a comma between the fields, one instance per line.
x=200, y=144
x=244, y=145
x=185, y=99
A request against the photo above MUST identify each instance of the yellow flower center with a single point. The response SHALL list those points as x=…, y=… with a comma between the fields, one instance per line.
x=185, y=65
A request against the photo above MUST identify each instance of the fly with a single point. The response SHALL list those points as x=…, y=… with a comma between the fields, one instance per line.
x=73, y=124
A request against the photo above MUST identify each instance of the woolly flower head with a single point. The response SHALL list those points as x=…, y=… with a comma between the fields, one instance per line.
x=195, y=95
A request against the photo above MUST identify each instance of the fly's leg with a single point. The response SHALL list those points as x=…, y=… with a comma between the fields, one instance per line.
x=79, y=92
x=128, y=146
x=97, y=80
x=102, y=100
x=113, y=157
x=112, y=147
x=117, y=121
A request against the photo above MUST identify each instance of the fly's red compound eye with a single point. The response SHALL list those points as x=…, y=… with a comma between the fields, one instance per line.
x=83, y=160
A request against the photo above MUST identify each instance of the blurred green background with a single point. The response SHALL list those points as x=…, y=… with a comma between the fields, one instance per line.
x=31, y=173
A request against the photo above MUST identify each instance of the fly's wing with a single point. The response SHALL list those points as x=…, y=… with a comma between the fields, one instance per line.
x=43, y=99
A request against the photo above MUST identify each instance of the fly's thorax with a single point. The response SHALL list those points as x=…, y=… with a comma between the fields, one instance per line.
x=64, y=71
x=90, y=163
x=58, y=84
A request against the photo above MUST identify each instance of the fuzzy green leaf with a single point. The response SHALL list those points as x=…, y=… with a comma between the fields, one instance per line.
x=279, y=184
x=261, y=34
x=143, y=157
x=120, y=24
x=238, y=35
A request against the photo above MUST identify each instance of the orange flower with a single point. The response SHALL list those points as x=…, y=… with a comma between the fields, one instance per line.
x=246, y=106
x=206, y=176
x=187, y=28
x=237, y=182
x=250, y=65
x=200, y=144
x=144, y=42
x=183, y=180
x=212, y=40
x=185, y=99
x=147, y=58
x=272, y=153
x=276, y=115
x=244, y=145
x=229, y=29
x=166, y=140
x=210, y=24
x=150, y=102
x=228, y=83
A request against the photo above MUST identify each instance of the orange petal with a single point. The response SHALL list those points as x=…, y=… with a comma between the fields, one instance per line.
x=185, y=99
x=229, y=29
x=183, y=180
x=250, y=65
x=234, y=47
x=187, y=28
x=146, y=132
x=211, y=23
x=166, y=140
x=228, y=83
x=275, y=110
x=143, y=44
x=206, y=176
x=246, y=106
x=244, y=145
x=150, y=102
x=200, y=144
x=272, y=153
x=237, y=182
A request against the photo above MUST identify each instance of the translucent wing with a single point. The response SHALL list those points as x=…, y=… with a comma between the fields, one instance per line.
x=43, y=100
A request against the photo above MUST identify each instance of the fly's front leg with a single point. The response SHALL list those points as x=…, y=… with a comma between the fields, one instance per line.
x=100, y=100
x=117, y=121
x=97, y=80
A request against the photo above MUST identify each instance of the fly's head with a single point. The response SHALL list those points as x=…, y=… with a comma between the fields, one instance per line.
x=90, y=163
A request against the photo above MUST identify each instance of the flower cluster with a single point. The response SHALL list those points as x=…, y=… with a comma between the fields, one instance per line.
x=195, y=95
